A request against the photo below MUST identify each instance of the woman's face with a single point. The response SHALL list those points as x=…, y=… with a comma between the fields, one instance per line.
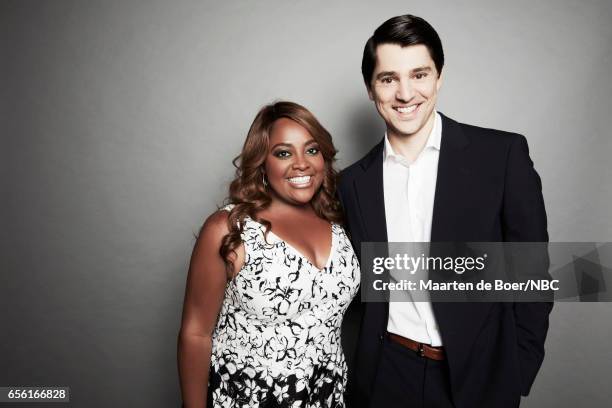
x=294, y=166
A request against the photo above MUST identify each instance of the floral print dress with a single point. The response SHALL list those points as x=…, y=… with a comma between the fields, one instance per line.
x=277, y=340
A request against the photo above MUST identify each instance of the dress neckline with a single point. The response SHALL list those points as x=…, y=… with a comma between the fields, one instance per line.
x=304, y=257
x=298, y=252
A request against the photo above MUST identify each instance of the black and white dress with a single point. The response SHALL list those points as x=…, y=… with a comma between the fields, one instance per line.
x=277, y=340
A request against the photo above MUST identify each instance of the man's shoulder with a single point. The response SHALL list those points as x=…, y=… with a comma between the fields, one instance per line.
x=484, y=135
x=348, y=174
x=352, y=170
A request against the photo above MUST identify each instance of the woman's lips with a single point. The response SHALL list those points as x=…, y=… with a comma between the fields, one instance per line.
x=300, y=181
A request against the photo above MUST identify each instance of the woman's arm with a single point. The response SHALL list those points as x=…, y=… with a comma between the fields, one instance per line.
x=206, y=283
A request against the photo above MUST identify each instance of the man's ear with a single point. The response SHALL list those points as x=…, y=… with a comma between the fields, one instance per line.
x=439, y=81
x=370, y=94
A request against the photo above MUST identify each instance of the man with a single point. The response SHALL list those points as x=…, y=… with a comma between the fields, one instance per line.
x=434, y=179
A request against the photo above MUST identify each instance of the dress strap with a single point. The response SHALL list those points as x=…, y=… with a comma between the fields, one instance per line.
x=252, y=232
x=228, y=207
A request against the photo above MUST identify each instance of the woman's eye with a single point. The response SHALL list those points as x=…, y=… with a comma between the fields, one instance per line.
x=282, y=154
x=313, y=150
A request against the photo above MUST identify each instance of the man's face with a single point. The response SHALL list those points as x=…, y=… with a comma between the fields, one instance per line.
x=404, y=87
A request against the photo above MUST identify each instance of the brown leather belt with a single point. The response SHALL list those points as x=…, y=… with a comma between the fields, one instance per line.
x=423, y=350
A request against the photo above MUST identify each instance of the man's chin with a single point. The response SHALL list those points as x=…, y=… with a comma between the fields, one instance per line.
x=405, y=131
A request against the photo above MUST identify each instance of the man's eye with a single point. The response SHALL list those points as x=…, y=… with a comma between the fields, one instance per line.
x=282, y=154
x=312, y=151
x=387, y=80
x=420, y=75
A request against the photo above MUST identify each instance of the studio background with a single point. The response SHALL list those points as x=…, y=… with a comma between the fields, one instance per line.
x=119, y=120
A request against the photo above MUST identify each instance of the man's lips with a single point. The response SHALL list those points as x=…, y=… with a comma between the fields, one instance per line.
x=406, y=110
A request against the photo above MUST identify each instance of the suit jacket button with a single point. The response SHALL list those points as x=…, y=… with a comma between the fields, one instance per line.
x=381, y=338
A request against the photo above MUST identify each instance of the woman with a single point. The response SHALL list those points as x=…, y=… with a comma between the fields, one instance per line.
x=271, y=276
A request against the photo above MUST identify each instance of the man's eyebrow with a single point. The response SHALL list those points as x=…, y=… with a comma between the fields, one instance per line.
x=385, y=73
x=421, y=69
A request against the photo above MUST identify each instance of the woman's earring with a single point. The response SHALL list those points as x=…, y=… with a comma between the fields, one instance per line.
x=263, y=177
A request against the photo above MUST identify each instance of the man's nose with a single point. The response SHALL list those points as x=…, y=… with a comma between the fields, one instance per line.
x=405, y=91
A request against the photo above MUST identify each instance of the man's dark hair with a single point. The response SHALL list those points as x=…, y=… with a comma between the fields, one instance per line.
x=404, y=31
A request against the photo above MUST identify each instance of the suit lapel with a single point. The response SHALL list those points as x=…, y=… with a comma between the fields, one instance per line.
x=452, y=170
x=459, y=322
x=370, y=195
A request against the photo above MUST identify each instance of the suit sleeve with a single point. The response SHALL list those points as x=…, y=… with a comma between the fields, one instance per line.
x=524, y=220
x=340, y=197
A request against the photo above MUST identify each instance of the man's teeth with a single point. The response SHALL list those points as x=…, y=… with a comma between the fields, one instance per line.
x=299, y=180
x=406, y=109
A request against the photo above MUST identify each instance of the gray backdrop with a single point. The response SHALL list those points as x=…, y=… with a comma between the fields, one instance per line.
x=120, y=119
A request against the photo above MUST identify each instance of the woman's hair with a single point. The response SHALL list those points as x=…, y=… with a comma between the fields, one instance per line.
x=247, y=191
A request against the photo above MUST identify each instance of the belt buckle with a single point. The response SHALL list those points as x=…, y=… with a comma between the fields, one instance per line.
x=420, y=350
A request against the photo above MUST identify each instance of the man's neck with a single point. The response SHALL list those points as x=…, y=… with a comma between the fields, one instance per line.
x=410, y=146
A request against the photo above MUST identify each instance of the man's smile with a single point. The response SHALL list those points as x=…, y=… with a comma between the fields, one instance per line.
x=406, y=110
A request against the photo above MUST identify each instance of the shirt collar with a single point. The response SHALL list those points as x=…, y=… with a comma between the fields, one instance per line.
x=433, y=140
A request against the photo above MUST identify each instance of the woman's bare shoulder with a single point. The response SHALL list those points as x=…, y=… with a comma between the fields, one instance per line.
x=215, y=227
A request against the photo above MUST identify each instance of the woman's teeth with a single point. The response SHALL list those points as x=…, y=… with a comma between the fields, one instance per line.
x=299, y=180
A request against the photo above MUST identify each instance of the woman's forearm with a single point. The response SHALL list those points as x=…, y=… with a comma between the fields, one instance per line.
x=194, y=365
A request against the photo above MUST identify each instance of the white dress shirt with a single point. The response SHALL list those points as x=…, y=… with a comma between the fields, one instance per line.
x=409, y=190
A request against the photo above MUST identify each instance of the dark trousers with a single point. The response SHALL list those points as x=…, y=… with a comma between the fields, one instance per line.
x=408, y=380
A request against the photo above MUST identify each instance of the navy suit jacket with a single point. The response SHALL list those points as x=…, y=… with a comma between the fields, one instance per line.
x=486, y=191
